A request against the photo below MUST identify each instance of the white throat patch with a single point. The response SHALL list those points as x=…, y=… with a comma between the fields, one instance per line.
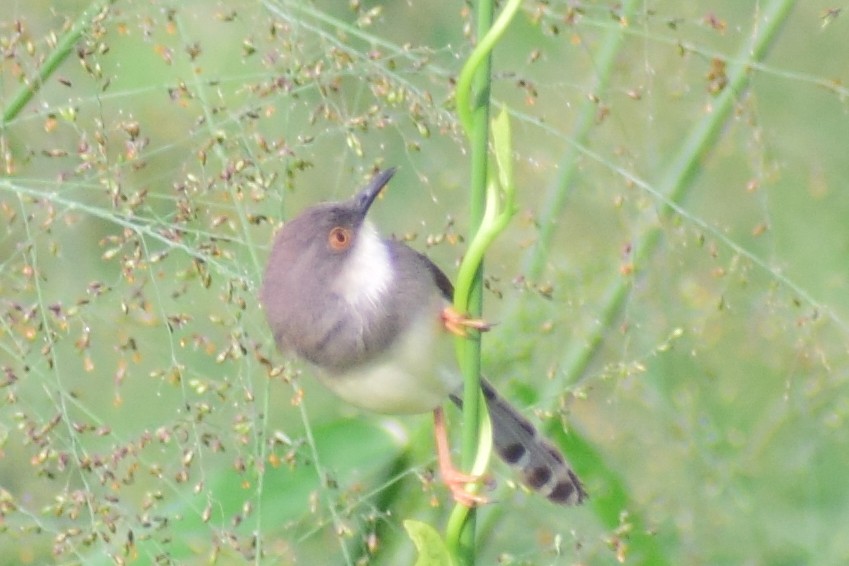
x=368, y=272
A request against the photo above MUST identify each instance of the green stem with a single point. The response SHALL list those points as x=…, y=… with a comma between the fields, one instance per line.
x=56, y=58
x=461, y=529
x=473, y=101
x=470, y=359
x=500, y=207
x=478, y=57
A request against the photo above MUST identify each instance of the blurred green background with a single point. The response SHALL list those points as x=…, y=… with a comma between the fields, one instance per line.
x=146, y=417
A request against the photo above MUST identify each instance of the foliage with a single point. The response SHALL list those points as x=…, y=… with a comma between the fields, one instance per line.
x=687, y=348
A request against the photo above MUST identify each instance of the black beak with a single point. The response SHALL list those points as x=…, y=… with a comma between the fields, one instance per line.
x=366, y=196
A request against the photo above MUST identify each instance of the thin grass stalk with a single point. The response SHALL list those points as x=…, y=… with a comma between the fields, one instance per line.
x=672, y=189
x=65, y=45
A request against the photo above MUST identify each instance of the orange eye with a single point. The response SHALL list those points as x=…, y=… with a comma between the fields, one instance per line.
x=339, y=238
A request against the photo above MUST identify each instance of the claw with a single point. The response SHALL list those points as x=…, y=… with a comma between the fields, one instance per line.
x=456, y=482
x=457, y=323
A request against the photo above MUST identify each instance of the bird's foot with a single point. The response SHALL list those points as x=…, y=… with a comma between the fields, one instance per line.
x=453, y=478
x=457, y=482
x=458, y=324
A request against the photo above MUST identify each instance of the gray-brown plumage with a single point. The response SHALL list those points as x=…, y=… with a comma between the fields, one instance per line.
x=369, y=313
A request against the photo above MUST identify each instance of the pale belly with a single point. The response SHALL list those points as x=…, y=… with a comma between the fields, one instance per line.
x=415, y=376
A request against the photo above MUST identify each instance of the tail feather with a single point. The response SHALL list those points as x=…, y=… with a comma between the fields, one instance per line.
x=541, y=465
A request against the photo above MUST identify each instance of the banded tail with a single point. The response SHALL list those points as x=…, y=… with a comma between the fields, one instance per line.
x=541, y=465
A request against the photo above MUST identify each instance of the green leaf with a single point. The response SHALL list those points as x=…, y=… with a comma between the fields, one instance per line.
x=503, y=148
x=431, y=547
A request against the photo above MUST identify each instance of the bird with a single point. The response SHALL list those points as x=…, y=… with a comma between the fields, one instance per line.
x=371, y=316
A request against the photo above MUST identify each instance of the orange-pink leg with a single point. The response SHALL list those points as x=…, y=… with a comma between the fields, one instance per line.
x=455, y=479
